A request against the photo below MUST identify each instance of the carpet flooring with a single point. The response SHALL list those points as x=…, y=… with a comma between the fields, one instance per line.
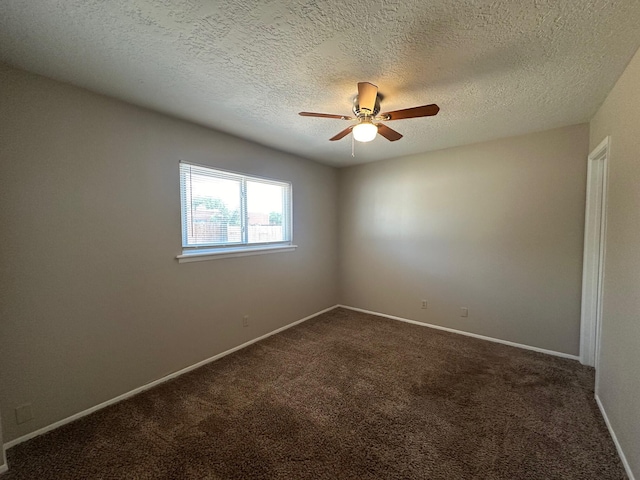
x=345, y=396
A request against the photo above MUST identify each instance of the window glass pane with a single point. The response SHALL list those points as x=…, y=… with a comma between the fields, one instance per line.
x=225, y=209
x=266, y=212
x=213, y=209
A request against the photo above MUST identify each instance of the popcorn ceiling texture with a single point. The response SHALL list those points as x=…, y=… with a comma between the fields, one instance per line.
x=496, y=68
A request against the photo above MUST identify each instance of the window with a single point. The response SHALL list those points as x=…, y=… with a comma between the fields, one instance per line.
x=231, y=213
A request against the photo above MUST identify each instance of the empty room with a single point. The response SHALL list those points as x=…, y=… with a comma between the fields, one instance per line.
x=319, y=239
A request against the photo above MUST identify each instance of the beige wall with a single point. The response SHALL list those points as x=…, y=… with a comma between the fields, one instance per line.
x=92, y=300
x=496, y=227
x=619, y=367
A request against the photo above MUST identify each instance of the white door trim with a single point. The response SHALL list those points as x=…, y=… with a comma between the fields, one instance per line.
x=593, y=260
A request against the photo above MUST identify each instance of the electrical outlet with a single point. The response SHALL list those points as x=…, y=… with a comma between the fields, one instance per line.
x=464, y=312
x=23, y=413
x=424, y=304
x=245, y=321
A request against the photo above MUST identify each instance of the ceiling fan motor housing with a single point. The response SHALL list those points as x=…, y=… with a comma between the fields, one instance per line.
x=364, y=112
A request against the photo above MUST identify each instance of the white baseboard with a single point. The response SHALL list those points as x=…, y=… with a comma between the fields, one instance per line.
x=468, y=334
x=627, y=467
x=4, y=467
x=135, y=391
x=3, y=457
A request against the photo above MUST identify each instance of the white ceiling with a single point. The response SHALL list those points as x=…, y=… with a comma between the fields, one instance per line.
x=496, y=68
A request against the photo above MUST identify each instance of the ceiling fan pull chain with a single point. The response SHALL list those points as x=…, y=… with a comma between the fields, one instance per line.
x=353, y=147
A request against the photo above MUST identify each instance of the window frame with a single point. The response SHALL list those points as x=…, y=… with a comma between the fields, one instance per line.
x=209, y=251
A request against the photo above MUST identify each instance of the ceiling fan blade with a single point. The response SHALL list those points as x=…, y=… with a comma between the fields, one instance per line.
x=342, y=134
x=325, y=115
x=388, y=133
x=414, y=112
x=367, y=94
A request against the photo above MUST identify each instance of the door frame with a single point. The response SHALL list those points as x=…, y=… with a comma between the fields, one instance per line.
x=595, y=227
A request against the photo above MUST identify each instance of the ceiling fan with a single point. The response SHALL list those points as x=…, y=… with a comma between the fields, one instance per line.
x=366, y=107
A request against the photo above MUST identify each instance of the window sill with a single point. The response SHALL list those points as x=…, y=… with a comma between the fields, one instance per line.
x=217, y=254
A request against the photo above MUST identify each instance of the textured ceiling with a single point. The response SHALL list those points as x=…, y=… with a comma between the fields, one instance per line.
x=496, y=68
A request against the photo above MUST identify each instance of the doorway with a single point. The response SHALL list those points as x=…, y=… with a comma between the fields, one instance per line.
x=593, y=259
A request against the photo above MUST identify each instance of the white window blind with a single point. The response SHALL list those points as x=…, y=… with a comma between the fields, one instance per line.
x=225, y=210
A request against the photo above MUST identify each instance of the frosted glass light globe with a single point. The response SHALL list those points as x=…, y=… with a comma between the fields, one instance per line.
x=365, y=132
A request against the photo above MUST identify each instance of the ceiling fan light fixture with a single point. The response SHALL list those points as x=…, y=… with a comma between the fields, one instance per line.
x=366, y=106
x=364, y=132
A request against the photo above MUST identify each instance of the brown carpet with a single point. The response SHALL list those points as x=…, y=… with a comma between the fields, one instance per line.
x=348, y=396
